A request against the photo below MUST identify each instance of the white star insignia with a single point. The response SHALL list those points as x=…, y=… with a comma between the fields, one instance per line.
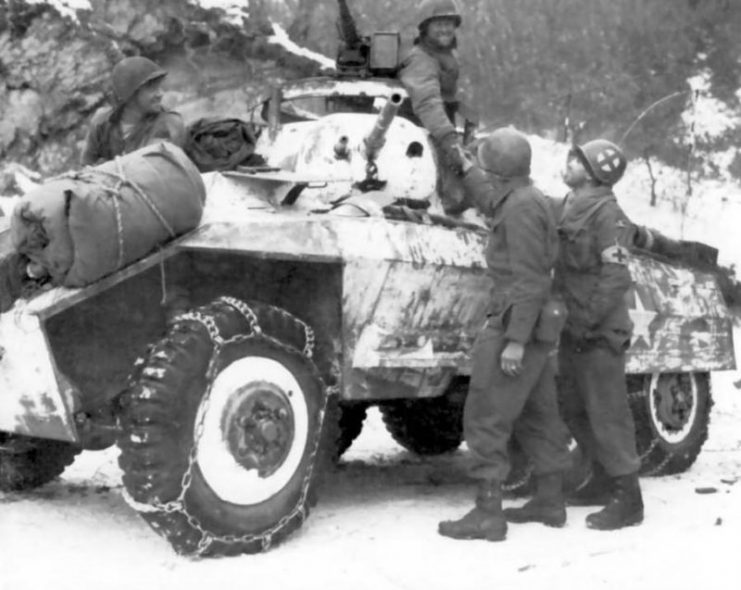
x=642, y=319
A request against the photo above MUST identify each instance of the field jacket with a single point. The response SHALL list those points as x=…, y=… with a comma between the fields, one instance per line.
x=521, y=250
x=430, y=76
x=592, y=270
x=105, y=140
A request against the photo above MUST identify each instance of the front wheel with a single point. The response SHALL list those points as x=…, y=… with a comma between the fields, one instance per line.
x=672, y=415
x=28, y=462
x=221, y=431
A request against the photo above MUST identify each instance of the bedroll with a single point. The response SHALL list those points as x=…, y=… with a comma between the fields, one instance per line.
x=85, y=225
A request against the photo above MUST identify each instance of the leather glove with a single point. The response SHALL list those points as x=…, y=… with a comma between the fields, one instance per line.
x=451, y=149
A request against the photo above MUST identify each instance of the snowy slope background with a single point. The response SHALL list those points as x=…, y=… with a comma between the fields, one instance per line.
x=375, y=526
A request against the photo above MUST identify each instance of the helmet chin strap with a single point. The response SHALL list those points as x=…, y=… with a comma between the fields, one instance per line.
x=131, y=112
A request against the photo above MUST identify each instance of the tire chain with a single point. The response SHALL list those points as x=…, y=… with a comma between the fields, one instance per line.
x=520, y=482
x=177, y=505
x=633, y=396
x=640, y=397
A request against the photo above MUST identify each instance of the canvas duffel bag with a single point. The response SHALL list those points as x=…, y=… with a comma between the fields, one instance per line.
x=85, y=225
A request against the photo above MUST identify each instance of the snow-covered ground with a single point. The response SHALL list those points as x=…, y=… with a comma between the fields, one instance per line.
x=375, y=528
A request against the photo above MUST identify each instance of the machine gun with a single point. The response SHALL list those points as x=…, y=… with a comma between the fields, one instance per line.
x=361, y=56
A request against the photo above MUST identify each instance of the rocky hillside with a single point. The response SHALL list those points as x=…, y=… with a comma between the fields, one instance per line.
x=55, y=67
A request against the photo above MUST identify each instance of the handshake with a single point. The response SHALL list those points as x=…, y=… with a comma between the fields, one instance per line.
x=454, y=155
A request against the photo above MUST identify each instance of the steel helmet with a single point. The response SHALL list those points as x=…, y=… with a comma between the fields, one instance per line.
x=430, y=9
x=604, y=160
x=505, y=152
x=131, y=73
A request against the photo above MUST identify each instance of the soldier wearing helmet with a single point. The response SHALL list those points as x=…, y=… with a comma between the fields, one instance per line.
x=137, y=117
x=430, y=75
x=592, y=274
x=512, y=388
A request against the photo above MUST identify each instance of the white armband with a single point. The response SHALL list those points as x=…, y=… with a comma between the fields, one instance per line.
x=616, y=255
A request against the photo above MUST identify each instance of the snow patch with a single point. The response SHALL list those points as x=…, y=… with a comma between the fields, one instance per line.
x=711, y=117
x=236, y=10
x=280, y=37
x=67, y=8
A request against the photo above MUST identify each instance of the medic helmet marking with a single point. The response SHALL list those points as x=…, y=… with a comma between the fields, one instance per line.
x=604, y=160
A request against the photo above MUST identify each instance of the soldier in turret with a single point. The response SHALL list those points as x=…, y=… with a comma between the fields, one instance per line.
x=512, y=389
x=430, y=75
x=593, y=276
x=137, y=118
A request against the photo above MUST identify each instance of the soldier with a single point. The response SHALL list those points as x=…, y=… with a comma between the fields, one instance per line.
x=137, y=118
x=430, y=75
x=593, y=276
x=512, y=384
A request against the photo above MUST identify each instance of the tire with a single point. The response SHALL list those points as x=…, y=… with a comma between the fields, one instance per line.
x=428, y=426
x=521, y=482
x=27, y=462
x=351, y=418
x=672, y=414
x=221, y=448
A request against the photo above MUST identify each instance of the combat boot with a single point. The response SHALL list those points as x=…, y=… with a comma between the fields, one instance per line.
x=597, y=491
x=546, y=506
x=485, y=521
x=625, y=508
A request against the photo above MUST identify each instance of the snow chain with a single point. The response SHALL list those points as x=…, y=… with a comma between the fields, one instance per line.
x=640, y=396
x=518, y=483
x=178, y=504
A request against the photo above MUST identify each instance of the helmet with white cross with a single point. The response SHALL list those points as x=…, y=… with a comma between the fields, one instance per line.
x=604, y=160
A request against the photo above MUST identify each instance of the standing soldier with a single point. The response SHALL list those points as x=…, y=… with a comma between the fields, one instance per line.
x=512, y=384
x=430, y=75
x=593, y=276
x=137, y=118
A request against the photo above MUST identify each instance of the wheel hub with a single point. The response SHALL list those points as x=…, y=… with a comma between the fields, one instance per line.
x=674, y=404
x=259, y=428
x=252, y=430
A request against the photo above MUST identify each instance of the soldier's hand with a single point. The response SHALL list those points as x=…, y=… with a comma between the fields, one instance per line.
x=511, y=359
x=466, y=158
x=452, y=152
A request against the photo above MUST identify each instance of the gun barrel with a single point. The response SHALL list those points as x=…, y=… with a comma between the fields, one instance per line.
x=377, y=137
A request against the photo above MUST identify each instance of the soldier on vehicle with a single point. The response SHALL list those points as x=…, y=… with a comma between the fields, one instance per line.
x=593, y=276
x=430, y=75
x=137, y=118
x=512, y=388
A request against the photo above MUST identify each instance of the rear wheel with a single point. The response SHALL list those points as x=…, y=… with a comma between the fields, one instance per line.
x=520, y=480
x=221, y=444
x=428, y=426
x=27, y=462
x=672, y=415
x=351, y=418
